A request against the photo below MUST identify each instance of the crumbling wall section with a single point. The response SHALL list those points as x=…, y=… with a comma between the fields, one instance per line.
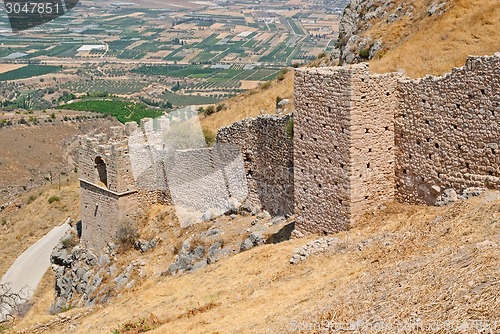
x=104, y=207
x=203, y=179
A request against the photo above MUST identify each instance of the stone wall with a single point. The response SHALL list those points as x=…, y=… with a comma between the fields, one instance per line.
x=122, y=175
x=266, y=145
x=372, y=150
x=343, y=163
x=360, y=140
x=363, y=139
x=448, y=131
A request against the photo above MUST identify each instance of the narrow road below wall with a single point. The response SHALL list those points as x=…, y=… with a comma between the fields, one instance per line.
x=27, y=271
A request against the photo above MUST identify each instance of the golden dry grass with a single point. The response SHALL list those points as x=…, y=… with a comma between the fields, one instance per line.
x=250, y=104
x=402, y=262
x=435, y=44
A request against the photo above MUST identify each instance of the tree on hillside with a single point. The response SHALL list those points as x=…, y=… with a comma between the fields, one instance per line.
x=10, y=302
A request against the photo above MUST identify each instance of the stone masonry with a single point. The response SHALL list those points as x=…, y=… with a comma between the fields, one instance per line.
x=199, y=181
x=343, y=161
x=448, y=132
x=267, y=147
x=109, y=196
x=363, y=139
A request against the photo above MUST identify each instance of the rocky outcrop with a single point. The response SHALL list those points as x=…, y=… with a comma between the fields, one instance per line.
x=314, y=247
x=75, y=271
x=214, y=244
x=360, y=15
x=84, y=279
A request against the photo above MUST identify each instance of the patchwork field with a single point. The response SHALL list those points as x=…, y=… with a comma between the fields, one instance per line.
x=28, y=71
x=208, y=50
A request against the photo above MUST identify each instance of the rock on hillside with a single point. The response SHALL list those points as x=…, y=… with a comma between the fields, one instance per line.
x=356, y=43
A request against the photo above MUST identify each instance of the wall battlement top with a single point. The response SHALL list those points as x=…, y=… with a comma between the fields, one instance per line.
x=251, y=122
x=361, y=67
x=472, y=63
x=117, y=139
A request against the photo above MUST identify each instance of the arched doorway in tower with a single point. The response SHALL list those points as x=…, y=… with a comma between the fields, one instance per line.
x=102, y=174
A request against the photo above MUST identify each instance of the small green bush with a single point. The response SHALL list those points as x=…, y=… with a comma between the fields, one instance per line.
x=31, y=199
x=66, y=308
x=127, y=236
x=209, y=136
x=69, y=242
x=364, y=53
x=266, y=85
x=322, y=55
x=281, y=74
x=209, y=110
x=278, y=99
x=220, y=106
x=53, y=199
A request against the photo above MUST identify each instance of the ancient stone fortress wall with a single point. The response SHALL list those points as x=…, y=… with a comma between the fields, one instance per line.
x=266, y=145
x=448, y=131
x=343, y=165
x=170, y=154
x=363, y=139
x=167, y=161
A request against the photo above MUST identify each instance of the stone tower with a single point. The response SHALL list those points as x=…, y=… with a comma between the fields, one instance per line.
x=344, y=145
x=108, y=193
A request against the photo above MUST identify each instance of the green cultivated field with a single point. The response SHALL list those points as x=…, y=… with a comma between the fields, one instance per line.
x=212, y=74
x=175, y=71
x=202, y=65
x=28, y=72
x=124, y=111
x=186, y=100
x=110, y=86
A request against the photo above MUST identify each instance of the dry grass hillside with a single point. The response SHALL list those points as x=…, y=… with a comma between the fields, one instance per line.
x=31, y=155
x=422, y=44
x=400, y=262
x=251, y=104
